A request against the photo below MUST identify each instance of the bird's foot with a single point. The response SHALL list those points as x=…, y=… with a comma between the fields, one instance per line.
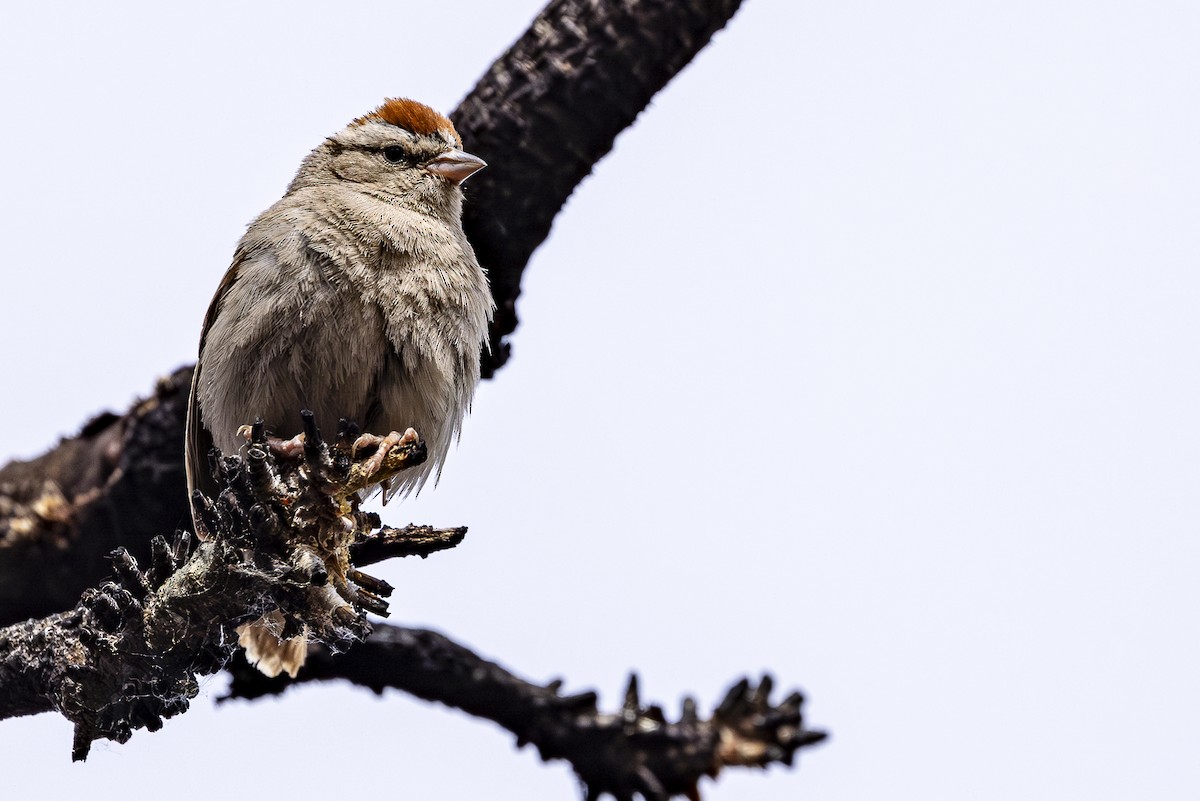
x=287, y=448
x=383, y=446
x=280, y=448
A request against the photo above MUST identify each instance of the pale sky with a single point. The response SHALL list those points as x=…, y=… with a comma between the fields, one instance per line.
x=868, y=356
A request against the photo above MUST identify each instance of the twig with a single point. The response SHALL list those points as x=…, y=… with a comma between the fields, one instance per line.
x=412, y=540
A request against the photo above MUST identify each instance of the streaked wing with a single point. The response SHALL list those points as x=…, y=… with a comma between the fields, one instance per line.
x=199, y=441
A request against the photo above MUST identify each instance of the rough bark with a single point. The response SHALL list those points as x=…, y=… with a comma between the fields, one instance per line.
x=116, y=484
x=635, y=749
x=282, y=536
x=556, y=101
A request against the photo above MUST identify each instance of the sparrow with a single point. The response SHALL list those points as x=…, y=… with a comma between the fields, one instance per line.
x=355, y=296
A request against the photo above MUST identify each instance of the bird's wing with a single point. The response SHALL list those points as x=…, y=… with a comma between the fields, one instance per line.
x=199, y=441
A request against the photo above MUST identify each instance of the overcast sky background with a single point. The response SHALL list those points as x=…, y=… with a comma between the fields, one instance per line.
x=868, y=356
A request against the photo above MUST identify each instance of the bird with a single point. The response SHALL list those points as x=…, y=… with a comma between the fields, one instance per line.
x=355, y=296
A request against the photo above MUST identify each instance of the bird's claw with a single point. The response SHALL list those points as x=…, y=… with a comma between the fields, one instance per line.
x=383, y=446
x=280, y=448
x=287, y=448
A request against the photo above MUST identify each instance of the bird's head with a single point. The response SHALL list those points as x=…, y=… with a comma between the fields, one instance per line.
x=403, y=150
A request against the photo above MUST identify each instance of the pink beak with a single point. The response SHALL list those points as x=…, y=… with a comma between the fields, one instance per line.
x=456, y=165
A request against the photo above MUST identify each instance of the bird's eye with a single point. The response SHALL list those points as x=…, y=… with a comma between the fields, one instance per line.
x=394, y=153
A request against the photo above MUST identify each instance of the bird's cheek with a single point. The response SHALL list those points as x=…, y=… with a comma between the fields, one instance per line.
x=351, y=167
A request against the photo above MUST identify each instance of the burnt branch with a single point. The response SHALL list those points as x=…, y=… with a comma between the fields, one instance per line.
x=412, y=540
x=116, y=484
x=634, y=749
x=278, y=538
x=550, y=108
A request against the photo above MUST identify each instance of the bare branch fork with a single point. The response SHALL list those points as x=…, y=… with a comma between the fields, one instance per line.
x=127, y=653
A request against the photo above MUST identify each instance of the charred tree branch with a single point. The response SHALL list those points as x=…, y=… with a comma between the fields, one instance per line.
x=280, y=536
x=634, y=749
x=550, y=108
x=410, y=540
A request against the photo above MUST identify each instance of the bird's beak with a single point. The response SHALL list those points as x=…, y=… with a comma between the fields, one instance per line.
x=456, y=165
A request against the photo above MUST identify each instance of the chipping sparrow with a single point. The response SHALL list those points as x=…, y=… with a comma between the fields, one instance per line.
x=356, y=295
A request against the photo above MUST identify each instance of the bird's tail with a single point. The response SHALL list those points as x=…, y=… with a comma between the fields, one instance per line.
x=267, y=651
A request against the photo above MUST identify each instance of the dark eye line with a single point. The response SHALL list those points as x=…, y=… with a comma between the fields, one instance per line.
x=395, y=154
